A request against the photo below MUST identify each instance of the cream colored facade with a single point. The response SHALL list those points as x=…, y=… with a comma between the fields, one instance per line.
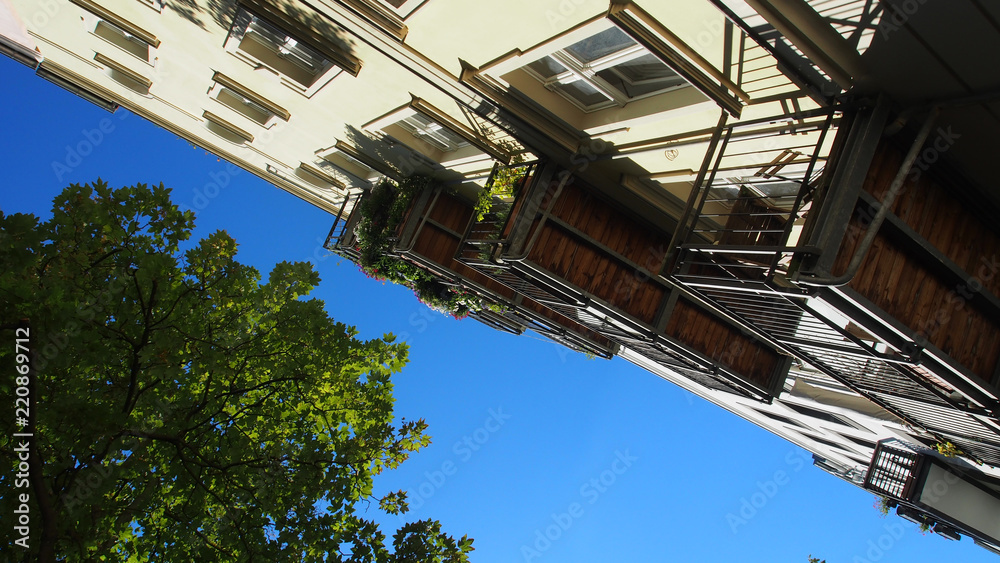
x=189, y=71
x=322, y=97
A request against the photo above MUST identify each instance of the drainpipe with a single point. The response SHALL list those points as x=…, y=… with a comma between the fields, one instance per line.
x=890, y=197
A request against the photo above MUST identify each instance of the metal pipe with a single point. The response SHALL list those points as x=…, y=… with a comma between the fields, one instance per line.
x=886, y=205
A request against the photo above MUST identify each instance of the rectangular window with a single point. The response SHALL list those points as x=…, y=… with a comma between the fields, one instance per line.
x=433, y=133
x=123, y=39
x=604, y=70
x=822, y=415
x=304, y=59
x=246, y=102
x=278, y=50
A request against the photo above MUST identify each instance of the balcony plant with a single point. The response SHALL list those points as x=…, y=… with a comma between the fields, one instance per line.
x=506, y=184
x=382, y=211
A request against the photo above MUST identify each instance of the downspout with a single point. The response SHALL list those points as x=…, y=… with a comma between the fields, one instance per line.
x=885, y=206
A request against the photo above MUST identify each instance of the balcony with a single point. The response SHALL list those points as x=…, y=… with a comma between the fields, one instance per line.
x=936, y=493
x=758, y=241
x=417, y=247
x=564, y=246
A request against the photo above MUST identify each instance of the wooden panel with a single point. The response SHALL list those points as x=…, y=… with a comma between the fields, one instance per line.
x=439, y=246
x=594, y=271
x=451, y=212
x=929, y=305
x=897, y=280
x=930, y=208
x=701, y=331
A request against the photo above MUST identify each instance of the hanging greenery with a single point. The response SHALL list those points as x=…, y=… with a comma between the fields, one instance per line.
x=382, y=212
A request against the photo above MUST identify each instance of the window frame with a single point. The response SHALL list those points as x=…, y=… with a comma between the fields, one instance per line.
x=588, y=72
x=95, y=15
x=296, y=37
x=221, y=82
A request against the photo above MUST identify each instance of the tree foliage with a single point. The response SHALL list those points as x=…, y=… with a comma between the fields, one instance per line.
x=185, y=411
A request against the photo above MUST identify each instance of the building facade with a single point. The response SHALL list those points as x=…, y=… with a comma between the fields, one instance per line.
x=783, y=206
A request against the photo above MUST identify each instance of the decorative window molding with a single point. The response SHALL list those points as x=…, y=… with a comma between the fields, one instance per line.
x=305, y=59
x=226, y=129
x=154, y=4
x=403, y=8
x=435, y=127
x=343, y=168
x=245, y=101
x=118, y=21
x=678, y=55
x=377, y=165
x=323, y=175
x=124, y=75
x=380, y=14
x=604, y=70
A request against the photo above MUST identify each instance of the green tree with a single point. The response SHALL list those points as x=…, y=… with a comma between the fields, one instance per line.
x=185, y=411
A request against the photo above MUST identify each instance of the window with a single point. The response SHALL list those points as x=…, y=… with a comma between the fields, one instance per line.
x=246, y=102
x=124, y=75
x=228, y=131
x=823, y=415
x=779, y=418
x=344, y=169
x=262, y=43
x=154, y=4
x=433, y=133
x=123, y=39
x=117, y=30
x=403, y=7
x=604, y=70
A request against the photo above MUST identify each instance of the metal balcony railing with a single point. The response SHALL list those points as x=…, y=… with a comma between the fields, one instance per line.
x=738, y=245
x=743, y=222
x=854, y=20
x=893, y=471
x=340, y=238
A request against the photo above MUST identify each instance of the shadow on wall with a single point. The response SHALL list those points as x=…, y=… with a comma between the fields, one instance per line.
x=222, y=12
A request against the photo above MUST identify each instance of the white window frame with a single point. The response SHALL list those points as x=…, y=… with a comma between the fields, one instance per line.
x=241, y=25
x=432, y=132
x=587, y=72
x=93, y=22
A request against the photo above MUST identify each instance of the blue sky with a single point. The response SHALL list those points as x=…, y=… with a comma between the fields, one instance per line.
x=529, y=439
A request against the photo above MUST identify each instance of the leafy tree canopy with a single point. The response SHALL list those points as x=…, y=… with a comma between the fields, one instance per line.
x=185, y=411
